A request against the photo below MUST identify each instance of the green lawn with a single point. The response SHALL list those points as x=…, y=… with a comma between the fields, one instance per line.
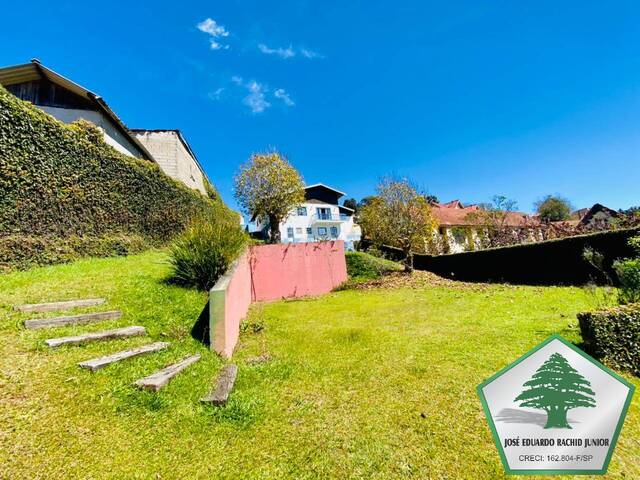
x=362, y=384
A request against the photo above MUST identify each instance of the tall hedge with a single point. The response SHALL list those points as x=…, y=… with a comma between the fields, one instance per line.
x=61, y=182
x=551, y=262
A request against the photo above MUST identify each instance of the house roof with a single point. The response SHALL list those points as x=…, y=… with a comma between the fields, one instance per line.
x=453, y=214
x=182, y=139
x=35, y=71
x=322, y=185
x=598, y=207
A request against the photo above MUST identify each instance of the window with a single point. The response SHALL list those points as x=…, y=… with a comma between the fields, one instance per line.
x=309, y=231
x=322, y=231
x=299, y=231
x=302, y=211
x=290, y=232
x=334, y=232
x=324, y=213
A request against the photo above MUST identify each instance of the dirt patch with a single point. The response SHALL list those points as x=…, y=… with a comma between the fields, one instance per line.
x=417, y=279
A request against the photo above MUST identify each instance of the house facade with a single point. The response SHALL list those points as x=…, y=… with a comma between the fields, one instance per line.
x=174, y=155
x=67, y=102
x=461, y=228
x=320, y=217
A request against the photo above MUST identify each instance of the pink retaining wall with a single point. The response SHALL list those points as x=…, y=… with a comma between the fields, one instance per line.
x=229, y=301
x=271, y=272
x=296, y=269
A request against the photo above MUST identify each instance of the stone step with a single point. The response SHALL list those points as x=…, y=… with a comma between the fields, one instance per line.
x=224, y=384
x=162, y=377
x=72, y=319
x=96, y=336
x=98, y=363
x=53, y=306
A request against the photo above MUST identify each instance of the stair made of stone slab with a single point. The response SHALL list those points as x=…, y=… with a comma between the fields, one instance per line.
x=159, y=379
x=125, y=332
x=96, y=364
x=56, y=306
x=81, y=319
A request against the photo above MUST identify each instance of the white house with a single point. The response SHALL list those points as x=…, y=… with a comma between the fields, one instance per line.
x=67, y=101
x=320, y=217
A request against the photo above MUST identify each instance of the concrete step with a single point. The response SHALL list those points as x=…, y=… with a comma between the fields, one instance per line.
x=96, y=336
x=162, y=377
x=53, y=306
x=98, y=363
x=72, y=319
x=223, y=386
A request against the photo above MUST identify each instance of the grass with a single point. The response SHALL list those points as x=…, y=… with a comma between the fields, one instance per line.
x=361, y=384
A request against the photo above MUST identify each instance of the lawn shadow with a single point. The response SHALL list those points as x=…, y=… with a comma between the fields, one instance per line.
x=513, y=415
x=200, y=330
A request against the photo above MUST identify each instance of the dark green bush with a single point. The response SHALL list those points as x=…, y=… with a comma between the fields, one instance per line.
x=613, y=335
x=59, y=181
x=362, y=266
x=204, y=251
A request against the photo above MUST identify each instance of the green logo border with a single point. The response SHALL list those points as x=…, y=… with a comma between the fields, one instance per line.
x=496, y=438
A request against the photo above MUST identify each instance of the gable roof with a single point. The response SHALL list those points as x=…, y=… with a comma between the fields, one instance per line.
x=182, y=139
x=36, y=71
x=597, y=208
x=326, y=187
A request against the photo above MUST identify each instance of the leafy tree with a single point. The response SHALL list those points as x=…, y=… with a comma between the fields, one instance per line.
x=399, y=216
x=556, y=388
x=553, y=208
x=351, y=203
x=493, y=217
x=267, y=186
x=431, y=199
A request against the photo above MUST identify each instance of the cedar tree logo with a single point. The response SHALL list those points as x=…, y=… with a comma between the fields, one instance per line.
x=556, y=388
x=555, y=410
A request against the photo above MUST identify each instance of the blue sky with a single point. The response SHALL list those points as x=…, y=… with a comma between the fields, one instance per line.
x=467, y=98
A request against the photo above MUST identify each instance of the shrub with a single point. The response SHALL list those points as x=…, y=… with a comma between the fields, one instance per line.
x=366, y=267
x=60, y=181
x=204, y=251
x=628, y=272
x=613, y=335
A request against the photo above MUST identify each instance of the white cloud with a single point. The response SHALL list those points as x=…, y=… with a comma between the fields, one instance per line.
x=215, y=32
x=284, y=96
x=288, y=52
x=256, y=99
x=217, y=93
x=280, y=52
x=306, y=53
x=258, y=94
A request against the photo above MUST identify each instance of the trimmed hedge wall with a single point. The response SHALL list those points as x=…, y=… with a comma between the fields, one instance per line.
x=552, y=262
x=613, y=335
x=60, y=183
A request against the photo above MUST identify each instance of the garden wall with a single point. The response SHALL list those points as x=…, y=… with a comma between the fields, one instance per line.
x=64, y=192
x=553, y=262
x=271, y=272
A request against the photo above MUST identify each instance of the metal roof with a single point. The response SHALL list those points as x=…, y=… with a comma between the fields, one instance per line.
x=35, y=71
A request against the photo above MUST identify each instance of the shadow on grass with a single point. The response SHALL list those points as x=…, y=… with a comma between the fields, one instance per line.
x=200, y=330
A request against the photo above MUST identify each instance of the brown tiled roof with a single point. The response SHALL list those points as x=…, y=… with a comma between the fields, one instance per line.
x=450, y=214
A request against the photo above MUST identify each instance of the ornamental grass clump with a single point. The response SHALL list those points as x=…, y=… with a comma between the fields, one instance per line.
x=204, y=251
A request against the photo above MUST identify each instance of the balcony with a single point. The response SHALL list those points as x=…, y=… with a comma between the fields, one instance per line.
x=329, y=218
